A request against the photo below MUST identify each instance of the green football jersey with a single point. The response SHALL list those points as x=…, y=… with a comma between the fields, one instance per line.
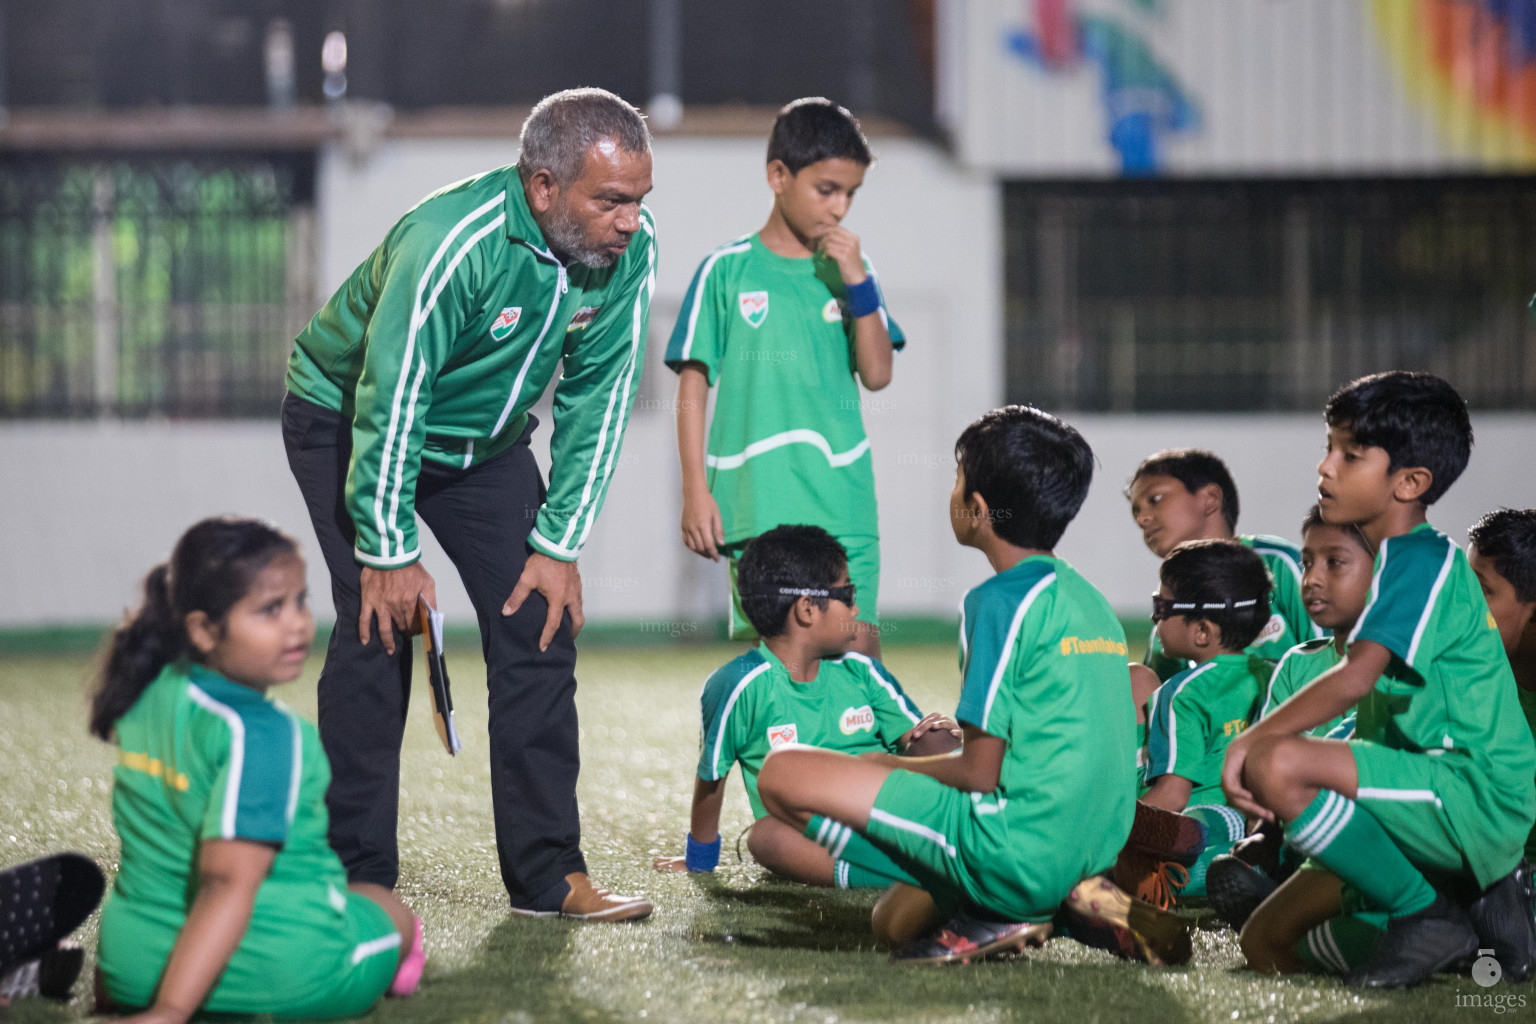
x=787, y=442
x=200, y=757
x=751, y=706
x=1196, y=715
x=1449, y=691
x=1300, y=665
x=1043, y=663
x=1288, y=623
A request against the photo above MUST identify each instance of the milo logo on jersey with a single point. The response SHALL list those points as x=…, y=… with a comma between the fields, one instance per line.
x=832, y=312
x=778, y=735
x=506, y=323
x=860, y=719
x=1273, y=630
x=753, y=307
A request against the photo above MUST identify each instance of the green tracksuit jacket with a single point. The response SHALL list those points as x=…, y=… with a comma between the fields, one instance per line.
x=441, y=341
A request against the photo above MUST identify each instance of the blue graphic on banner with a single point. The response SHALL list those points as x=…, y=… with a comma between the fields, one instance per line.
x=1143, y=100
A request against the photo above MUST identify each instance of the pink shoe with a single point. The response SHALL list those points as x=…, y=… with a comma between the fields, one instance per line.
x=408, y=977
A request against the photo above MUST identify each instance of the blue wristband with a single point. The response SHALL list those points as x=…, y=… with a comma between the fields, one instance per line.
x=702, y=856
x=863, y=298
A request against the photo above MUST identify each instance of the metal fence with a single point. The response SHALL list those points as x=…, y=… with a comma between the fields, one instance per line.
x=1266, y=295
x=152, y=286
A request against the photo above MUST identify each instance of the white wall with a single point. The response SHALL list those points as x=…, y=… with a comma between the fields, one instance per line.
x=102, y=502
x=88, y=508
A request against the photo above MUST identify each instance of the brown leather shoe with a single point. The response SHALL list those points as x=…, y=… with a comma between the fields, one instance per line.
x=586, y=902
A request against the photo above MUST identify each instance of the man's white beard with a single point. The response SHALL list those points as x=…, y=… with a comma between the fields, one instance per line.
x=567, y=239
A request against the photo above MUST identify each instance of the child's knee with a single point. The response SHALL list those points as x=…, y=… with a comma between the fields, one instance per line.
x=763, y=839
x=1272, y=766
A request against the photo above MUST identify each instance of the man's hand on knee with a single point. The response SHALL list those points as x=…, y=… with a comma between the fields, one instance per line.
x=391, y=595
x=560, y=583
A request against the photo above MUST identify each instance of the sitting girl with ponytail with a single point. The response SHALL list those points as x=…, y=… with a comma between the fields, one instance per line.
x=229, y=898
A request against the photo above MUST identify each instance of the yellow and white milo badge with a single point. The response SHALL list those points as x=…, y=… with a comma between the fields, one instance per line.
x=860, y=719
x=779, y=735
x=832, y=313
x=1273, y=630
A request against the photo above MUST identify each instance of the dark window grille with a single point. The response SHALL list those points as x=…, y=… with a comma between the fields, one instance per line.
x=152, y=285
x=1185, y=296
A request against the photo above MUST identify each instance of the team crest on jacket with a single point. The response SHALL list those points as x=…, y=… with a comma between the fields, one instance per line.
x=861, y=719
x=583, y=318
x=753, y=306
x=778, y=735
x=506, y=323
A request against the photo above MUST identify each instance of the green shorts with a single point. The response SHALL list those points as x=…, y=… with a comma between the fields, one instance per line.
x=296, y=959
x=1409, y=793
x=863, y=573
x=936, y=833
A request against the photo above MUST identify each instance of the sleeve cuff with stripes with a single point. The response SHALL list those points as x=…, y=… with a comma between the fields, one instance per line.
x=544, y=546
x=373, y=561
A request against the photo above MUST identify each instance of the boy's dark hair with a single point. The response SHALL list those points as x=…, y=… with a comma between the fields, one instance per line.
x=213, y=566
x=1032, y=469
x=1222, y=573
x=813, y=129
x=1314, y=517
x=1507, y=538
x=1194, y=468
x=790, y=556
x=1417, y=418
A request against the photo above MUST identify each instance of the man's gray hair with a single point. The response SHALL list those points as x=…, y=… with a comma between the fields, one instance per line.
x=564, y=125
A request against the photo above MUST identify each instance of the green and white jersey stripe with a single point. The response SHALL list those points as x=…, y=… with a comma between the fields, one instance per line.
x=1448, y=690
x=787, y=442
x=1044, y=668
x=1196, y=715
x=750, y=706
x=1300, y=665
x=442, y=340
x=201, y=757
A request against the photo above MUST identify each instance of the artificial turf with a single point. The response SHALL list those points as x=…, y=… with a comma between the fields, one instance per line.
x=737, y=946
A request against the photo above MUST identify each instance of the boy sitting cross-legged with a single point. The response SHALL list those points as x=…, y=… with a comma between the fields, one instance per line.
x=1316, y=923
x=1040, y=798
x=802, y=685
x=1213, y=601
x=1183, y=494
x=1438, y=789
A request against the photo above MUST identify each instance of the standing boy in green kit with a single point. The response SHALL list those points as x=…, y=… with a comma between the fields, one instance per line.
x=787, y=323
x=1429, y=807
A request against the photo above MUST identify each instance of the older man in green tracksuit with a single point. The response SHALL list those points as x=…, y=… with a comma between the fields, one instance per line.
x=409, y=394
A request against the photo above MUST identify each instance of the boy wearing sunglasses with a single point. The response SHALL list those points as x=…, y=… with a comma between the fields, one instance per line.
x=1213, y=603
x=802, y=685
